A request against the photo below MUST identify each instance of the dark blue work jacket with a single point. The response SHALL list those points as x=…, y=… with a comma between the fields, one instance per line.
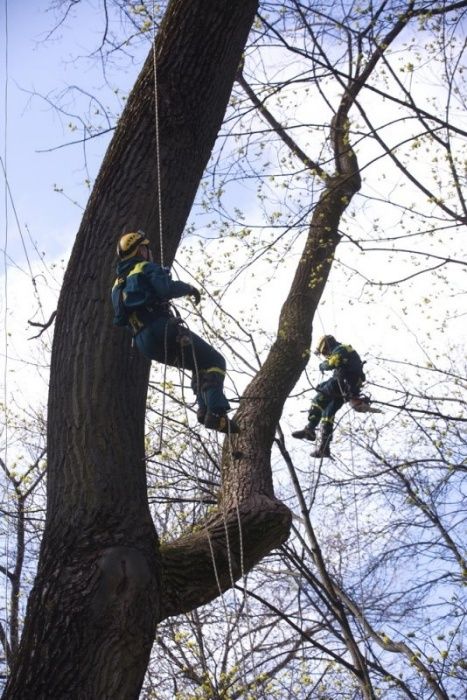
x=142, y=291
x=348, y=375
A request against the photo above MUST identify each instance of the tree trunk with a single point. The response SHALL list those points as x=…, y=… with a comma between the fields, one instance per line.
x=92, y=613
x=251, y=521
x=102, y=582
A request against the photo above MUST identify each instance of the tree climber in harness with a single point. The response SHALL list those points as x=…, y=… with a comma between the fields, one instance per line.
x=344, y=385
x=140, y=298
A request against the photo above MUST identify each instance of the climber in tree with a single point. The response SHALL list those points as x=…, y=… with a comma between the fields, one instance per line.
x=344, y=385
x=140, y=298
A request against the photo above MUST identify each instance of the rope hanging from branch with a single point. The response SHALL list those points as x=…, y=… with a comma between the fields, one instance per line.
x=157, y=132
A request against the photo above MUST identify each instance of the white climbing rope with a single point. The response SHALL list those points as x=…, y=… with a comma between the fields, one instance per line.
x=162, y=262
x=157, y=131
x=238, y=615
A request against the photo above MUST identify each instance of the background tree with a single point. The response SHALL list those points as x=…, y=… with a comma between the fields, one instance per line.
x=22, y=509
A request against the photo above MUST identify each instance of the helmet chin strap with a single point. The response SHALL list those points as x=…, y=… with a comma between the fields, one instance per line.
x=146, y=252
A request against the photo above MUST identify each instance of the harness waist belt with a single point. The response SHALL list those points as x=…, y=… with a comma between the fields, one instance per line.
x=141, y=317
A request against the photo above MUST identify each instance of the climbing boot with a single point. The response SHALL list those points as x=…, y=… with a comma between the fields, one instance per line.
x=322, y=451
x=326, y=437
x=221, y=423
x=308, y=433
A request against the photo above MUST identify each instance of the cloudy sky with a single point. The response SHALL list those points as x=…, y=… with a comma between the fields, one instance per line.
x=47, y=179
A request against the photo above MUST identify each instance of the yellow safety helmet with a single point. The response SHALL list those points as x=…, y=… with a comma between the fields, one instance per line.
x=129, y=243
x=325, y=344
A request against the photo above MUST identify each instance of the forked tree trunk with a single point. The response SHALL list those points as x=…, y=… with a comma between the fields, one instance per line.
x=92, y=613
x=102, y=582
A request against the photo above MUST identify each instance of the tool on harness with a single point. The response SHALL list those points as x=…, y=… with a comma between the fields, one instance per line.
x=362, y=404
x=183, y=336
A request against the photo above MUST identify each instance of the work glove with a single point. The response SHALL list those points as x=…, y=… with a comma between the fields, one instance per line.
x=196, y=294
x=323, y=366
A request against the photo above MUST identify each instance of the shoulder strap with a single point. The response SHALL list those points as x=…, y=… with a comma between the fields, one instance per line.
x=136, y=269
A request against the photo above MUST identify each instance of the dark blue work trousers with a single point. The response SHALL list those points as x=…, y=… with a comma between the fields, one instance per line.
x=165, y=340
x=325, y=404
